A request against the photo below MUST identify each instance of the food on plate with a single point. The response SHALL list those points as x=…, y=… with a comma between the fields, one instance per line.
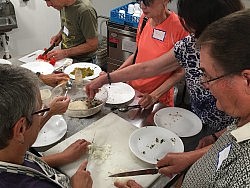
x=51, y=60
x=85, y=71
x=84, y=104
x=45, y=94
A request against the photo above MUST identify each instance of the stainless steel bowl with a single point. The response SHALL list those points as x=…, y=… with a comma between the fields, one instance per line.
x=77, y=93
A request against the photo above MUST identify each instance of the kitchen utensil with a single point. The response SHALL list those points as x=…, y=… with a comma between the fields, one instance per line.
x=119, y=93
x=39, y=66
x=49, y=49
x=68, y=86
x=182, y=122
x=52, y=131
x=96, y=68
x=151, y=143
x=127, y=108
x=136, y=172
x=4, y=61
x=78, y=95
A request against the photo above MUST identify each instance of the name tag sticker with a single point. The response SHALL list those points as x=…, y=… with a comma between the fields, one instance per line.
x=159, y=35
x=65, y=31
x=223, y=155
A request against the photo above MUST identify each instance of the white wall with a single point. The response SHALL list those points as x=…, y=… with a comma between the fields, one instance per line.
x=37, y=23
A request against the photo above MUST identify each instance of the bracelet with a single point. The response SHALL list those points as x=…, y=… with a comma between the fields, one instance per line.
x=214, y=136
x=109, y=79
x=38, y=74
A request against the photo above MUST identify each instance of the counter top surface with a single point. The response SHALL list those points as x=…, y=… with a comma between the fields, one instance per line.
x=138, y=118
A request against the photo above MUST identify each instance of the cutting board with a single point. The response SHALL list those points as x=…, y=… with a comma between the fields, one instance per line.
x=32, y=57
x=115, y=131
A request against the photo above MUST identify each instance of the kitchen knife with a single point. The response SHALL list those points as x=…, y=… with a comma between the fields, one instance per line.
x=136, y=172
x=49, y=49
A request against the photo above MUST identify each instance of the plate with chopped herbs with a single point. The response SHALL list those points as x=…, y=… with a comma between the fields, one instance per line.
x=89, y=70
x=151, y=144
x=182, y=122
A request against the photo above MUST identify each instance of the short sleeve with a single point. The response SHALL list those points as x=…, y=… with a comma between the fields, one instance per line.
x=88, y=23
x=184, y=49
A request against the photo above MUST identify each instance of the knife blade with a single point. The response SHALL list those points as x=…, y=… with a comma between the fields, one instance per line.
x=49, y=49
x=136, y=172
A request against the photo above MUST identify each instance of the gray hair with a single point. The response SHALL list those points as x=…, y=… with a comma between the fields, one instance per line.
x=18, y=98
x=229, y=41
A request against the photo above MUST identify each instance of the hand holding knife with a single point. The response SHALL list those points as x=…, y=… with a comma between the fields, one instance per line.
x=49, y=49
x=150, y=171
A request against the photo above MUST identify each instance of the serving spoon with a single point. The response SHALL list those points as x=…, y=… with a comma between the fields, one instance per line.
x=68, y=86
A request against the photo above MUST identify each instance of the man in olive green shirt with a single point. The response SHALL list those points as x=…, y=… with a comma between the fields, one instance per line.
x=78, y=34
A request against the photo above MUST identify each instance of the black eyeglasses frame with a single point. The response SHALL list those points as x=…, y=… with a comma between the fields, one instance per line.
x=212, y=79
x=41, y=111
x=145, y=2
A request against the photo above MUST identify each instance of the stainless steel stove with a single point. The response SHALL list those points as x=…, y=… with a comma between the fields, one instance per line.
x=121, y=44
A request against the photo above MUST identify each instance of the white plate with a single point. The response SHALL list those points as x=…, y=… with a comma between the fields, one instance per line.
x=179, y=120
x=32, y=57
x=51, y=132
x=4, y=61
x=96, y=68
x=39, y=66
x=119, y=93
x=152, y=143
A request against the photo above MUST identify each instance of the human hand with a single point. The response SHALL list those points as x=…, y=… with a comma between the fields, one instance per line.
x=82, y=178
x=54, y=79
x=56, y=39
x=174, y=163
x=147, y=100
x=75, y=150
x=57, y=54
x=59, y=105
x=205, y=141
x=93, y=87
x=128, y=184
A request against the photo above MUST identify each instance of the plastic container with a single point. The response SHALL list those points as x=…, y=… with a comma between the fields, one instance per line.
x=128, y=20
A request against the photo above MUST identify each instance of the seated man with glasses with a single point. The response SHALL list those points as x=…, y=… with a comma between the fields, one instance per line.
x=21, y=118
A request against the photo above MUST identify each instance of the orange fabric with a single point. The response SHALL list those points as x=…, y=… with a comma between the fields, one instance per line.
x=150, y=48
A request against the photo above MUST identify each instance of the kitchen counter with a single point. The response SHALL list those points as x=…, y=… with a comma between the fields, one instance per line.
x=139, y=118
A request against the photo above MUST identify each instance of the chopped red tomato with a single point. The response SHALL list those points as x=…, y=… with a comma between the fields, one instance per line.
x=51, y=60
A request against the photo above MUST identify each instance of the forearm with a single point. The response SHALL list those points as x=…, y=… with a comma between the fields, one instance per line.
x=169, y=83
x=164, y=63
x=55, y=160
x=197, y=154
x=90, y=46
x=128, y=62
x=218, y=134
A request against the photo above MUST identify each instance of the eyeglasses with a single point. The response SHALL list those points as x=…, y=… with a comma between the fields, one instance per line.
x=204, y=79
x=145, y=2
x=41, y=112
